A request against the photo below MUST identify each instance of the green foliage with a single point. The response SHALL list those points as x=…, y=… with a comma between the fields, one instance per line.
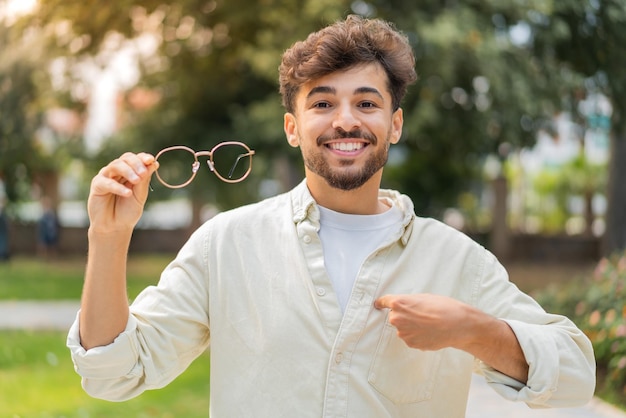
x=214, y=73
x=478, y=90
x=29, y=150
x=19, y=116
x=547, y=199
x=588, y=38
x=597, y=307
x=582, y=177
x=550, y=206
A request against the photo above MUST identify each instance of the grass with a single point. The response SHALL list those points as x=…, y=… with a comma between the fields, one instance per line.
x=27, y=278
x=37, y=380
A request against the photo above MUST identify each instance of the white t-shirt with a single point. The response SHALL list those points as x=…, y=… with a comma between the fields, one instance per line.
x=347, y=240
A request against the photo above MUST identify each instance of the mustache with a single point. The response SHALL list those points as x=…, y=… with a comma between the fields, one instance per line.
x=341, y=134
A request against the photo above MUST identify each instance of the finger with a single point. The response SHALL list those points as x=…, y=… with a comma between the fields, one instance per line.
x=102, y=185
x=132, y=166
x=148, y=160
x=128, y=168
x=384, y=302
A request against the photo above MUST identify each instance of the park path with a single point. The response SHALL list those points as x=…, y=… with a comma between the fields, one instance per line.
x=483, y=401
x=37, y=315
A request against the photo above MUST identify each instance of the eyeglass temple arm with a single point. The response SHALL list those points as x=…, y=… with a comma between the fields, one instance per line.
x=232, y=169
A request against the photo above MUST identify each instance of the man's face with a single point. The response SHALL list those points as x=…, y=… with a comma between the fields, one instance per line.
x=344, y=125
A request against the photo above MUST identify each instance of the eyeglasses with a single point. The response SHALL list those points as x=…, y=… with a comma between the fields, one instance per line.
x=230, y=161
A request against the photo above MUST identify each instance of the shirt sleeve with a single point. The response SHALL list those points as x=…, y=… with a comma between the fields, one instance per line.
x=99, y=367
x=168, y=327
x=560, y=356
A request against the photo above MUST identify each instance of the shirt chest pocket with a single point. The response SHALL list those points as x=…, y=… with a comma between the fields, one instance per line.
x=400, y=373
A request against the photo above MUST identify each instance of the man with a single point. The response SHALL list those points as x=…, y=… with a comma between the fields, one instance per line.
x=333, y=299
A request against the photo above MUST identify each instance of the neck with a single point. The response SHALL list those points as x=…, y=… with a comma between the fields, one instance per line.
x=361, y=201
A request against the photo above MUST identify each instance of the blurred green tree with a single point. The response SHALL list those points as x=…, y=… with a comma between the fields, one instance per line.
x=588, y=37
x=29, y=143
x=530, y=59
x=492, y=73
x=19, y=114
x=481, y=92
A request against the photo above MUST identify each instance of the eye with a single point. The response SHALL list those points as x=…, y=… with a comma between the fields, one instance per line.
x=321, y=105
x=368, y=105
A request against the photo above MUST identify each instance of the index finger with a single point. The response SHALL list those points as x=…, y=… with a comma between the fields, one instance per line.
x=147, y=159
x=129, y=167
x=385, y=301
x=139, y=163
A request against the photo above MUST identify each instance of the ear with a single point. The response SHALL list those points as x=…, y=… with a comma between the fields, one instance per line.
x=291, y=129
x=397, y=120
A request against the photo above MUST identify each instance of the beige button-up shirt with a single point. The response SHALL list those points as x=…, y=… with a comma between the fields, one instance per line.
x=252, y=283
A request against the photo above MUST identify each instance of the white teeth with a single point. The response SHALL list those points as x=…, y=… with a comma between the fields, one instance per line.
x=346, y=146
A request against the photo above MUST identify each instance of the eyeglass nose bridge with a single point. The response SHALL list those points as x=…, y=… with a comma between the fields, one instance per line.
x=209, y=160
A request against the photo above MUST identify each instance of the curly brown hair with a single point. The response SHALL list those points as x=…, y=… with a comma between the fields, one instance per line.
x=343, y=45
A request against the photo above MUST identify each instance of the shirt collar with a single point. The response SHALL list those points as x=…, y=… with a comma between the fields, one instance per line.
x=305, y=207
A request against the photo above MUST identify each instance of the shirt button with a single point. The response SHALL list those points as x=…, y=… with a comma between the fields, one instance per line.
x=339, y=358
x=321, y=291
x=306, y=239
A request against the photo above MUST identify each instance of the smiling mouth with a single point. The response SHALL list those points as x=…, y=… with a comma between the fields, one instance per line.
x=346, y=146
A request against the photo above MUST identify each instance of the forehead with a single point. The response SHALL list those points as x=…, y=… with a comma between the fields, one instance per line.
x=354, y=80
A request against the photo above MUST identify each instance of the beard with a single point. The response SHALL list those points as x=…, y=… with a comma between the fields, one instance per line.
x=348, y=177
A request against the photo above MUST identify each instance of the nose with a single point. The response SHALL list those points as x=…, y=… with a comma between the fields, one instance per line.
x=346, y=118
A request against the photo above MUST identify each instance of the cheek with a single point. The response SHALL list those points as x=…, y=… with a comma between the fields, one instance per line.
x=307, y=127
x=308, y=132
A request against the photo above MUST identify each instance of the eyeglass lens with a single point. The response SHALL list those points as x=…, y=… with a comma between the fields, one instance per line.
x=176, y=166
x=231, y=161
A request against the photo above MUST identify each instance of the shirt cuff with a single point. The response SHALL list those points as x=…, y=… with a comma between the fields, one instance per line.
x=542, y=356
x=111, y=361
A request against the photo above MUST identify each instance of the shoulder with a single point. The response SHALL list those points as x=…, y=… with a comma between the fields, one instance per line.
x=426, y=229
x=254, y=215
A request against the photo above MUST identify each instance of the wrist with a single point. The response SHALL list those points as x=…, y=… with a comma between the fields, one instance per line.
x=477, y=331
x=106, y=236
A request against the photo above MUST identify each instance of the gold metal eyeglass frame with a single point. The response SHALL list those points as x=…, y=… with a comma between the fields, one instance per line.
x=196, y=164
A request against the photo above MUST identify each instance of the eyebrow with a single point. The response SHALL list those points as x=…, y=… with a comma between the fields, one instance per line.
x=321, y=90
x=332, y=90
x=364, y=90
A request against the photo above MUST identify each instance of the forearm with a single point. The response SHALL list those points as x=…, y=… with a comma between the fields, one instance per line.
x=104, y=305
x=492, y=341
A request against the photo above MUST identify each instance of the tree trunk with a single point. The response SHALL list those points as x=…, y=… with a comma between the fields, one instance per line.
x=500, y=242
x=615, y=234
x=48, y=182
x=196, y=215
x=589, y=215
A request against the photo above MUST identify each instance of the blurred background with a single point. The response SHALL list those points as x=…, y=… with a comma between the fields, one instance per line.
x=515, y=128
x=515, y=132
